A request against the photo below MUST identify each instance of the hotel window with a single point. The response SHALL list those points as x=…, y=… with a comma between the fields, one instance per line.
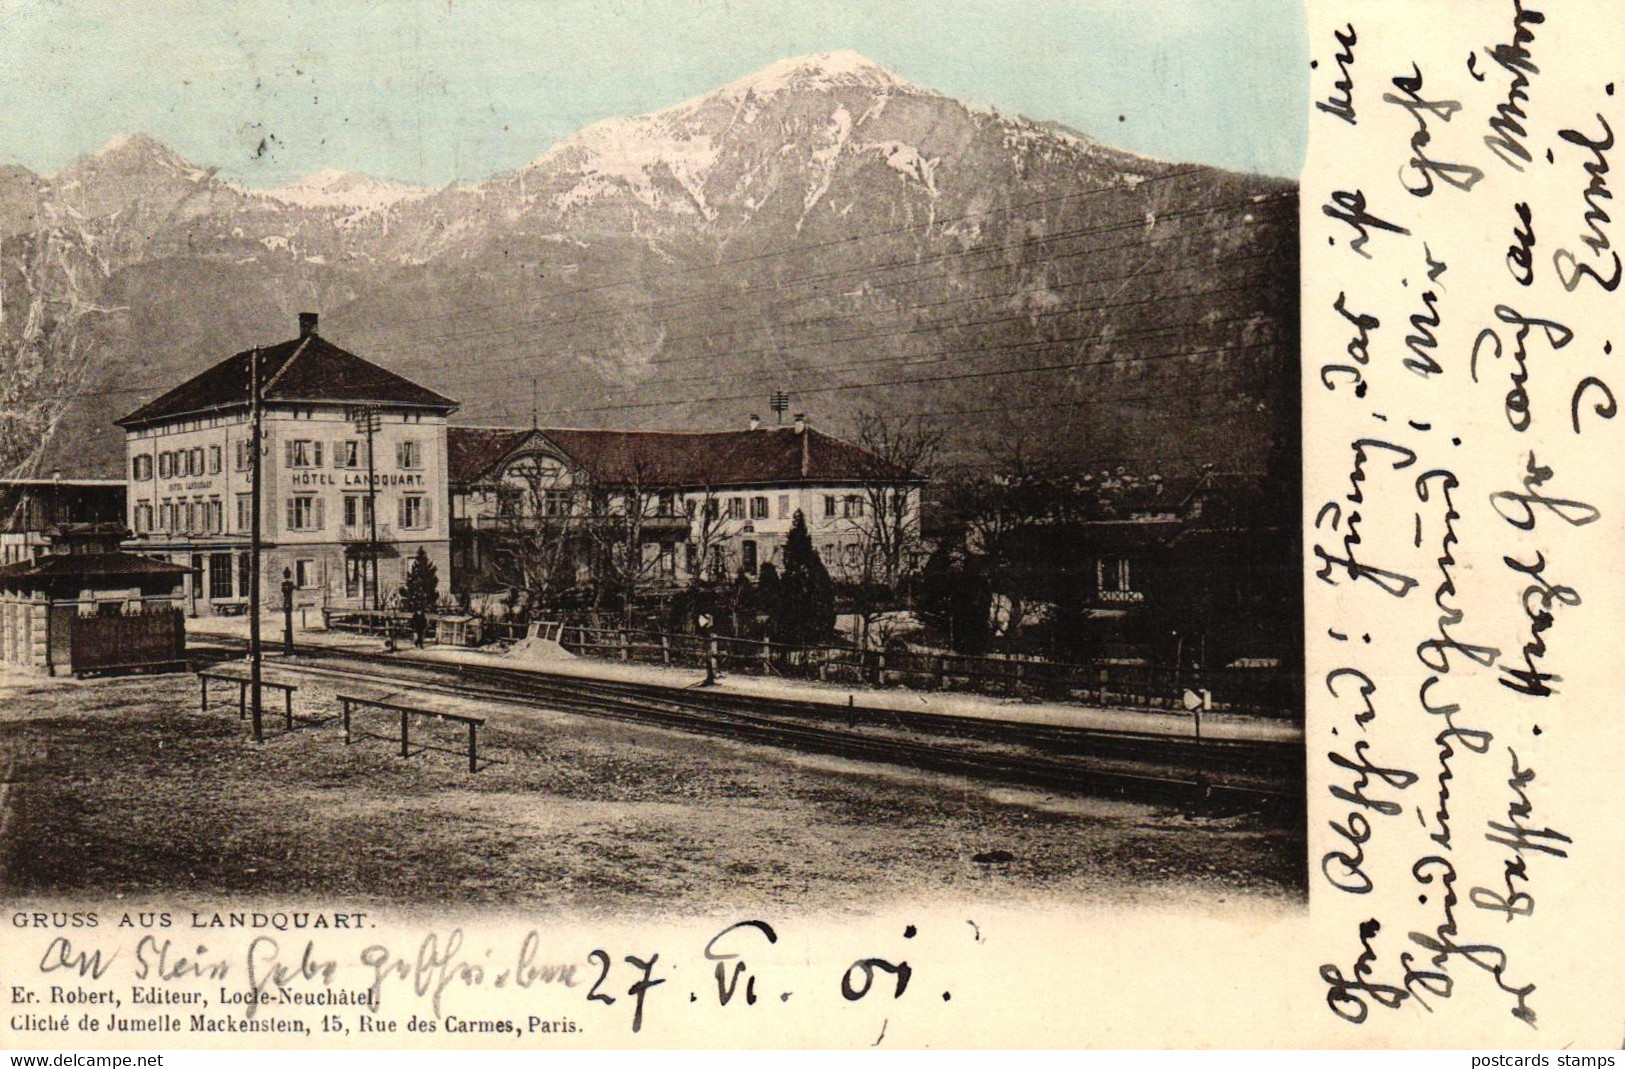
x=689, y=505
x=414, y=511
x=214, y=460
x=166, y=465
x=829, y=505
x=758, y=508
x=197, y=461
x=245, y=511
x=304, y=453
x=354, y=574
x=304, y=574
x=141, y=467
x=304, y=513
x=357, y=510
x=409, y=454
x=711, y=506
x=347, y=454
x=829, y=552
x=239, y=452
x=143, y=517
x=245, y=572
x=784, y=506
x=166, y=515
x=219, y=575
x=666, y=504
x=556, y=503
x=666, y=561
x=1112, y=576
x=691, y=558
x=853, y=506
x=217, y=516
x=736, y=508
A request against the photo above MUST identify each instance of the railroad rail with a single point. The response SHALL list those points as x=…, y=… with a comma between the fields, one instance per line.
x=1219, y=773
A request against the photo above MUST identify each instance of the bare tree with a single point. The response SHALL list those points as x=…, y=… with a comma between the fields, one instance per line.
x=710, y=530
x=1015, y=493
x=883, y=515
x=539, y=529
x=633, y=520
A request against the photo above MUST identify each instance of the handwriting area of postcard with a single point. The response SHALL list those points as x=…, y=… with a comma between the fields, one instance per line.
x=1464, y=349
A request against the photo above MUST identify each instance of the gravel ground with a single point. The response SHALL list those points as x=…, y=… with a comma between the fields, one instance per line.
x=124, y=787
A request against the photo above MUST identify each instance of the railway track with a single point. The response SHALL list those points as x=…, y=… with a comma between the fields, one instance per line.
x=1220, y=774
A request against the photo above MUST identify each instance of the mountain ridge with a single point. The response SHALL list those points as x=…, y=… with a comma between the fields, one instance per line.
x=821, y=226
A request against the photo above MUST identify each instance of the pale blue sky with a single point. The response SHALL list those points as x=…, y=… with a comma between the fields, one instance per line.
x=433, y=91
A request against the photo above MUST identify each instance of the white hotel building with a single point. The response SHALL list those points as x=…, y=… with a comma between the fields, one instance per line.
x=188, y=465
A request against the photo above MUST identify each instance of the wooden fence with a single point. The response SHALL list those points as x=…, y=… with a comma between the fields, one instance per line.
x=1263, y=691
x=154, y=639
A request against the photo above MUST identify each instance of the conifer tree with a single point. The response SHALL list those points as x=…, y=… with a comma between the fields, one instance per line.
x=804, y=607
x=422, y=589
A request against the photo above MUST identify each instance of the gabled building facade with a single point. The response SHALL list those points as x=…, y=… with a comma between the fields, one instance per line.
x=188, y=463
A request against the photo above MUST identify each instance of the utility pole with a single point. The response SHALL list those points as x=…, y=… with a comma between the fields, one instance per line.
x=372, y=507
x=256, y=466
x=366, y=421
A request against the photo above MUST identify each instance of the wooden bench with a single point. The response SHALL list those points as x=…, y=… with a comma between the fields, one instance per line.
x=347, y=701
x=243, y=684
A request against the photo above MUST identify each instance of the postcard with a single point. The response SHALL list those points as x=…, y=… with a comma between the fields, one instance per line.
x=569, y=524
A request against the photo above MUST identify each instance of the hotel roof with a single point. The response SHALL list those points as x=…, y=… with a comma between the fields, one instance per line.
x=306, y=369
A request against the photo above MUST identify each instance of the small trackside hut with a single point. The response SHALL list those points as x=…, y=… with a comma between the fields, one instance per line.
x=86, y=608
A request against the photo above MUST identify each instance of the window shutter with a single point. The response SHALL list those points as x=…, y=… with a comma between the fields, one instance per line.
x=400, y=506
x=287, y=448
x=316, y=453
x=338, y=452
x=428, y=509
x=317, y=517
x=400, y=454
x=291, y=525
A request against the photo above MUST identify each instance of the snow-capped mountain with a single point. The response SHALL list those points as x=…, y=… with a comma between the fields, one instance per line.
x=821, y=226
x=345, y=189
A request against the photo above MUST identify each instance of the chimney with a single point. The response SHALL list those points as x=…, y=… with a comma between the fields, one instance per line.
x=801, y=422
x=755, y=421
x=307, y=324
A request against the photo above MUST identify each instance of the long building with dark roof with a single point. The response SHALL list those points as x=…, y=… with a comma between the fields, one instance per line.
x=708, y=503
x=188, y=463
